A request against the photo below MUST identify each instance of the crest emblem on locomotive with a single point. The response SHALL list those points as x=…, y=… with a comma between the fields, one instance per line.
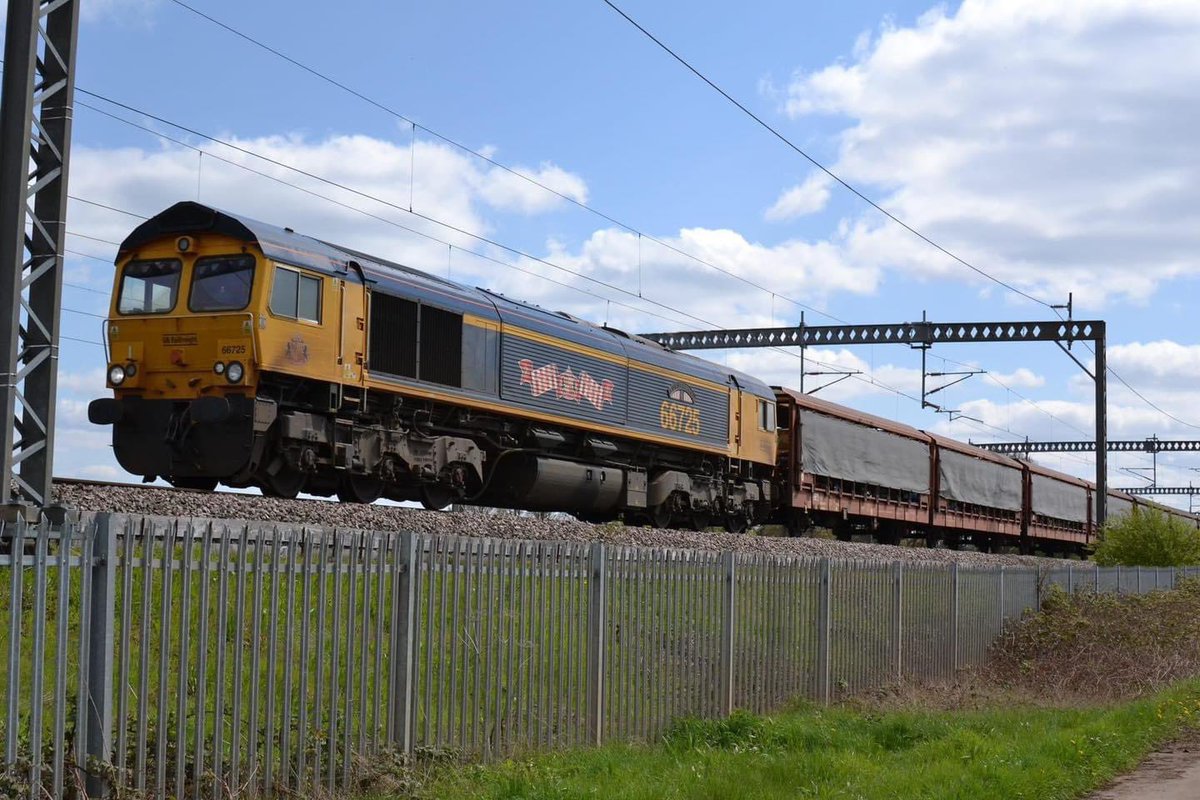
x=296, y=351
x=565, y=384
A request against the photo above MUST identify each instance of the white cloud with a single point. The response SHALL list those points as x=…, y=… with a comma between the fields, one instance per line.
x=1161, y=364
x=504, y=190
x=441, y=182
x=1049, y=143
x=791, y=269
x=83, y=382
x=808, y=197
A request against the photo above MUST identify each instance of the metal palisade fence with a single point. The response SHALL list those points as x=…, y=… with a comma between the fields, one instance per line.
x=190, y=658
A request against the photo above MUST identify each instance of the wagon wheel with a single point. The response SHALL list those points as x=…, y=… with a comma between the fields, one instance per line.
x=436, y=496
x=285, y=483
x=364, y=489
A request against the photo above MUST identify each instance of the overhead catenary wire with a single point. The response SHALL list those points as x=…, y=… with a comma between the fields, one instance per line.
x=246, y=151
x=376, y=217
x=613, y=220
x=870, y=380
x=390, y=204
x=819, y=165
x=864, y=197
x=493, y=161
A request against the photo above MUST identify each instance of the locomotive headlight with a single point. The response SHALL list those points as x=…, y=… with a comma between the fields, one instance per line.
x=219, y=368
x=116, y=374
x=130, y=369
x=234, y=372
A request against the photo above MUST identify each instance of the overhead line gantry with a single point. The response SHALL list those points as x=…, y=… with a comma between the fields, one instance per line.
x=923, y=335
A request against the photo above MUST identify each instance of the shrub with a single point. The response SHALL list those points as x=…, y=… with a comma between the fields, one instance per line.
x=1102, y=646
x=1147, y=538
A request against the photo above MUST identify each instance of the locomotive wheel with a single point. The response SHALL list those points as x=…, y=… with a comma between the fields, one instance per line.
x=364, y=489
x=700, y=520
x=200, y=484
x=286, y=483
x=436, y=496
x=798, y=523
x=735, y=523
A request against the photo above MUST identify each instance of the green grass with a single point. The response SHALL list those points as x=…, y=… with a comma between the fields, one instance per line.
x=1038, y=753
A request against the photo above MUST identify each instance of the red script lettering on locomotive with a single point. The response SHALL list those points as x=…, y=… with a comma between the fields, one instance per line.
x=565, y=384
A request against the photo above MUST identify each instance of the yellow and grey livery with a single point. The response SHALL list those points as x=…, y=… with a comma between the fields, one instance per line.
x=247, y=354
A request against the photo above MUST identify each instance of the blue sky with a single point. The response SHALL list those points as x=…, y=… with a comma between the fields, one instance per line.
x=1049, y=144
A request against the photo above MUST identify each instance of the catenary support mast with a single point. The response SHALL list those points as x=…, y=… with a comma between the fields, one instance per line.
x=35, y=135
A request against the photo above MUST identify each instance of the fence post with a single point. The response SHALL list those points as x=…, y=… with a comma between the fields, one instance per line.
x=954, y=602
x=728, y=621
x=14, y=533
x=595, y=671
x=1070, y=579
x=898, y=617
x=1096, y=576
x=404, y=635
x=824, y=619
x=98, y=742
x=1001, y=603
x=1118, y=580
x=1139, y=580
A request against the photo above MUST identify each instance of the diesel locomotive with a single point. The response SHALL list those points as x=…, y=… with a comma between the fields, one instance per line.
x=251, y=355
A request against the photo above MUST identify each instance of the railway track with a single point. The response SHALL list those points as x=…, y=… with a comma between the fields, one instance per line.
x=155, y=500
x=120, y=485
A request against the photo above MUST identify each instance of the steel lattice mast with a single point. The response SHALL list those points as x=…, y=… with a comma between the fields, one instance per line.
x=35, y=135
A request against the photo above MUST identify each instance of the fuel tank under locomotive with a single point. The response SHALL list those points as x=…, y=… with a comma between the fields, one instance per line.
x=538, y=483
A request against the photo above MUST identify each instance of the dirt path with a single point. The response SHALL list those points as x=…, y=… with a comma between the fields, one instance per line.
x=1172, y=773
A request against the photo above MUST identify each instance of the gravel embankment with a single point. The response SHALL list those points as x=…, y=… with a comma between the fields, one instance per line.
x=231, y=505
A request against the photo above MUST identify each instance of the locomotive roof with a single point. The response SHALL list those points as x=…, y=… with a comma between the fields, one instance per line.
x=284, y=244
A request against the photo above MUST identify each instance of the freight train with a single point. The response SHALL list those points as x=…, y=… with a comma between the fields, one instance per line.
x=250, y=355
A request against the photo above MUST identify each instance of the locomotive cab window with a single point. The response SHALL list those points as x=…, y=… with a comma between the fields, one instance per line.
x=296, y=295
x=766, y=415
x=149, y=287
x=221, y=283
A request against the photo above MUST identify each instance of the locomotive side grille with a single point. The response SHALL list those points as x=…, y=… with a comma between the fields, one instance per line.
x=393, y=345
x=441, y=346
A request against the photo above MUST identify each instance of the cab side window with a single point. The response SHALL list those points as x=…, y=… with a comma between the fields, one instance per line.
x=296, y=295
x=766, y=415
